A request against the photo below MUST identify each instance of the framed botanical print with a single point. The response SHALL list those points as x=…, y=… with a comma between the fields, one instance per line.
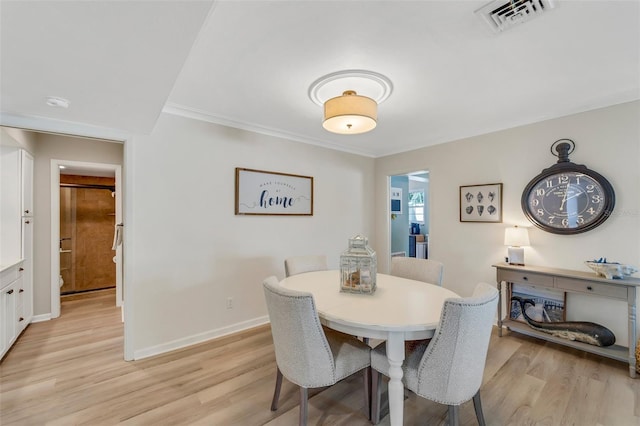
x=481, y=203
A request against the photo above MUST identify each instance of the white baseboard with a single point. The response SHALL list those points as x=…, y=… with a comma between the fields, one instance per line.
x=198, y=338
x=40, y=318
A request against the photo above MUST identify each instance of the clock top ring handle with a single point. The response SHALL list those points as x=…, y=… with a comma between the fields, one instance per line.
x=563, y=149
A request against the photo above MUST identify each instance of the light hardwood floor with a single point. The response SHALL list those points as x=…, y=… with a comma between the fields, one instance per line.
x=71, y=371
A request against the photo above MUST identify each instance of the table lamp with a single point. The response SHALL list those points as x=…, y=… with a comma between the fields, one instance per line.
x=516, y=238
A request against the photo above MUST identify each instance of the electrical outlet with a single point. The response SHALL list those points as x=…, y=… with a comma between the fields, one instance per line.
x=229, y=302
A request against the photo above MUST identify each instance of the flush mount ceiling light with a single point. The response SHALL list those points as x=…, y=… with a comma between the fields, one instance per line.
x=56, y=102
x=350, y=113
x=350, y=99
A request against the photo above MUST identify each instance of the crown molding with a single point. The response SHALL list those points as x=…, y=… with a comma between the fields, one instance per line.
x=200, y=115
x=62, y=127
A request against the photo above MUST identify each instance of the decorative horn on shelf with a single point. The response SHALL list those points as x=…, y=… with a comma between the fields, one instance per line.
x=582, y=331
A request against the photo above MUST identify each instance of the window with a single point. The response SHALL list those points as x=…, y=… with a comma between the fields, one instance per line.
x=416, y=206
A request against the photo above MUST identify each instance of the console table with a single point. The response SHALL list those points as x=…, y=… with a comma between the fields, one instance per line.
x=572, y=282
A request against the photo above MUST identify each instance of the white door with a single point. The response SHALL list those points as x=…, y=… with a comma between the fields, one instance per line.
x=27, y=273
x=27, y=183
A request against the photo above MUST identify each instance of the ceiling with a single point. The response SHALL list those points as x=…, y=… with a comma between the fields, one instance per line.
x=249, y=64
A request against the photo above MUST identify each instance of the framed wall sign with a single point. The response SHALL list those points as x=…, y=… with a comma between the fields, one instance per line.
x=270, y=193
x=396, y=200
x=481, y=203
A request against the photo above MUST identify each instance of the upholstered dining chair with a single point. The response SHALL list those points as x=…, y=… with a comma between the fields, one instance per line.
x=426, y=270
x=447, y=369
x=298, y=264
x=306, y=354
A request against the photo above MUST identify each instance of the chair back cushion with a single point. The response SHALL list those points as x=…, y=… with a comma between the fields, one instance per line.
x=298, y=264
x=426, y=270
x=452, y=366
x=303, y=354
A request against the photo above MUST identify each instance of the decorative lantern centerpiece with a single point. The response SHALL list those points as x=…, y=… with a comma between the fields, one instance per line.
x=358, y=267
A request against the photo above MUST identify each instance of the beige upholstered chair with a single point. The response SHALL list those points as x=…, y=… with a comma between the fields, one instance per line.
x=448, y=368
x=298, y=264
x=307, y=354
x=426, y=270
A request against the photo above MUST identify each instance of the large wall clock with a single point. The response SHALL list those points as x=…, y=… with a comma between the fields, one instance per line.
x=567, y=198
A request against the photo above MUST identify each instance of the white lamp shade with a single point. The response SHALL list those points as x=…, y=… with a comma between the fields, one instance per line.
x=350, y=114
x=516, y=237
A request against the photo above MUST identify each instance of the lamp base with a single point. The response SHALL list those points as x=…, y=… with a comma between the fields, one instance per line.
x=516, y=255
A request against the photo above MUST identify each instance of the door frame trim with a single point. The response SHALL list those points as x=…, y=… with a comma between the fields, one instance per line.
x=408, y=174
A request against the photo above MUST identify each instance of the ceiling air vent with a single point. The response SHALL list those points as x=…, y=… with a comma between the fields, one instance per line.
x=503, y=14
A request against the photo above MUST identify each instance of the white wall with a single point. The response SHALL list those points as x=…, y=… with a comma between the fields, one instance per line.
x=22, y=138
x=47, y=147
x=607, y=141
x=186, y=252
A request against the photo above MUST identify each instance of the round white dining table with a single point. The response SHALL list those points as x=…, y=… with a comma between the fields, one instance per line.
x=400, y=309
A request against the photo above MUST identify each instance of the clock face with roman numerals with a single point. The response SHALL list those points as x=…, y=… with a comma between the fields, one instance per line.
x=568, y=199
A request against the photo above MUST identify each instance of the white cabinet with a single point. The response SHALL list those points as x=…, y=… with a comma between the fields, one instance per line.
x=26, y=189
x=16, y=246
x=27, y=274
x=12, y=294
x=26, y=181
x=10, y=205
x=16, y=196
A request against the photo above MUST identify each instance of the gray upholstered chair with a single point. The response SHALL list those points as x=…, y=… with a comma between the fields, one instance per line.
x=426, y=270
x=307, y=354
x=298, y=264
x=448, y=368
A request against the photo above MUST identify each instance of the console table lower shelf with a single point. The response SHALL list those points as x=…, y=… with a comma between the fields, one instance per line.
x=620, y=353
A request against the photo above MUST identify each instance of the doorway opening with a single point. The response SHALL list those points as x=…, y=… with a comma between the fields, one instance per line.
x=86, y=207
x=36, y=134
x=409, y=209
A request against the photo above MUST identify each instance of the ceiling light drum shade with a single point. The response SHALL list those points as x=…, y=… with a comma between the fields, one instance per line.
x=350, y=114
